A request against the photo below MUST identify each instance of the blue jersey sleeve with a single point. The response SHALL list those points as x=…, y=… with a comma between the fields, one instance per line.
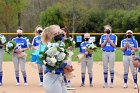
x=25, y=44
x=34, y=42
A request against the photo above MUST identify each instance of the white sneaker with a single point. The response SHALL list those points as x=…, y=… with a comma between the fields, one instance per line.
x=25, y=84
x=105, y=85
x=0, y=84
x=68, y=85
x=111, y=85
x=135, y=86
x=41, y=84
x=125, y=85
x=18, y=84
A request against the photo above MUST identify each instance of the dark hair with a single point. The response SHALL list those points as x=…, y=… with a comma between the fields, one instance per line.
x=67, y=31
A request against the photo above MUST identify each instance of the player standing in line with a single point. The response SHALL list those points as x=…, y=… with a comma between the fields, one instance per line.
x=19, y=56
x=1, y=60
x=36, y=43
x=127, y=46
x=108, y=42
x=87, y=61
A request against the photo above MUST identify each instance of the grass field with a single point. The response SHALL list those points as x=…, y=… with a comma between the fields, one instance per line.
x=97, y=56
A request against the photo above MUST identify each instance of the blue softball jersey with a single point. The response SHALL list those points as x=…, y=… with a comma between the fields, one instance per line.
x=36, y=41
x=133, y=43
x=108, y=47
x=83, y=48
x=21, y=43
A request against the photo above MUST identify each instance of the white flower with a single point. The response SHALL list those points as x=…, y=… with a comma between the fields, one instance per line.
x=74, y=42
x=53, y=60
x=2, y=39
x=71, y=39
x=52, y=51
x=9, y=45
x=62, y=49
x=61, y=56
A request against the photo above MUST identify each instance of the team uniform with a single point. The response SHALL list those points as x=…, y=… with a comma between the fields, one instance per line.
x=127, y=59
x=53, y=81
x=1, y=60
x=21, y=43
x=86, y=62
x=35, y=56
x=108, y=56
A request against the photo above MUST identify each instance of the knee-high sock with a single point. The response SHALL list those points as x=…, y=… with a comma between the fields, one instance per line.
x=90, y=78
x=135, y=78
x=83, y=78
x=24, y=76
x=1, y=77
x=112, y=76
x=17, y=76
x=41, y=77
x=125, y=78
x=105, y=77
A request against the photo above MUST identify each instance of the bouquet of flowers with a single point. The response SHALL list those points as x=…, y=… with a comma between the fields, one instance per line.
x=91, y=47
x=69, y=42
x=10, y=46
x=2, y=39
x=54, y=57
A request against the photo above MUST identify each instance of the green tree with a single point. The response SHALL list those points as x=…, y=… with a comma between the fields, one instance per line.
x=9, y=10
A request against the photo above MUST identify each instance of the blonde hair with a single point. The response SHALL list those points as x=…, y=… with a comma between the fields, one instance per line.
x=36, y=29
x=108, y=27
x=49, y=32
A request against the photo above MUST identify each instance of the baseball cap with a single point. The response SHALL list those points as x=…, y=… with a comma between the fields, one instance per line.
x=129, y=31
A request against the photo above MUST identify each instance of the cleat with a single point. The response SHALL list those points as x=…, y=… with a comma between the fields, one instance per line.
x=125, y=85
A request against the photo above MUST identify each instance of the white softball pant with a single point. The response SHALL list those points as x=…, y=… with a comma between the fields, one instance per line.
x=54, y=83
x=19, y=61
x=87, y=62
x=127, y=62
x=108, y=58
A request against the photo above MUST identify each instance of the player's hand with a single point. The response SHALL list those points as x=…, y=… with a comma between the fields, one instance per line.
x=107, y=38
x=127, y=44
x=70, y=48
x=136, y=63
x=68, y=69
x=17, y=51
x=86, y=53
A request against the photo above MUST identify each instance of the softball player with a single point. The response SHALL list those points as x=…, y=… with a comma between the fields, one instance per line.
x=127, y=46
x=1, y=60
x=19, y=57
x=36, y=45
x=86, y=62
x=53, y=80
x=108, y=42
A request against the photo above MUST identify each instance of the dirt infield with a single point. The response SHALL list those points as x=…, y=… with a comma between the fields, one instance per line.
x=33, y=80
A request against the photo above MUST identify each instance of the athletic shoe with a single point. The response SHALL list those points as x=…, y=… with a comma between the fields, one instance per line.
x=91, y=85
x=105, y=85
x=0, y=84
x=111, y=85
x=135, y=86
x=18, y=84
x=68, y=85
x=82, y=85
x=25, y=84
x=41, y=84
x=125, y=85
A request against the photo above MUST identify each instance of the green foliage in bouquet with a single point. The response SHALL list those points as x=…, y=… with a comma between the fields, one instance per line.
x=54, y=57
x=10, y=46
x=69, y=42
